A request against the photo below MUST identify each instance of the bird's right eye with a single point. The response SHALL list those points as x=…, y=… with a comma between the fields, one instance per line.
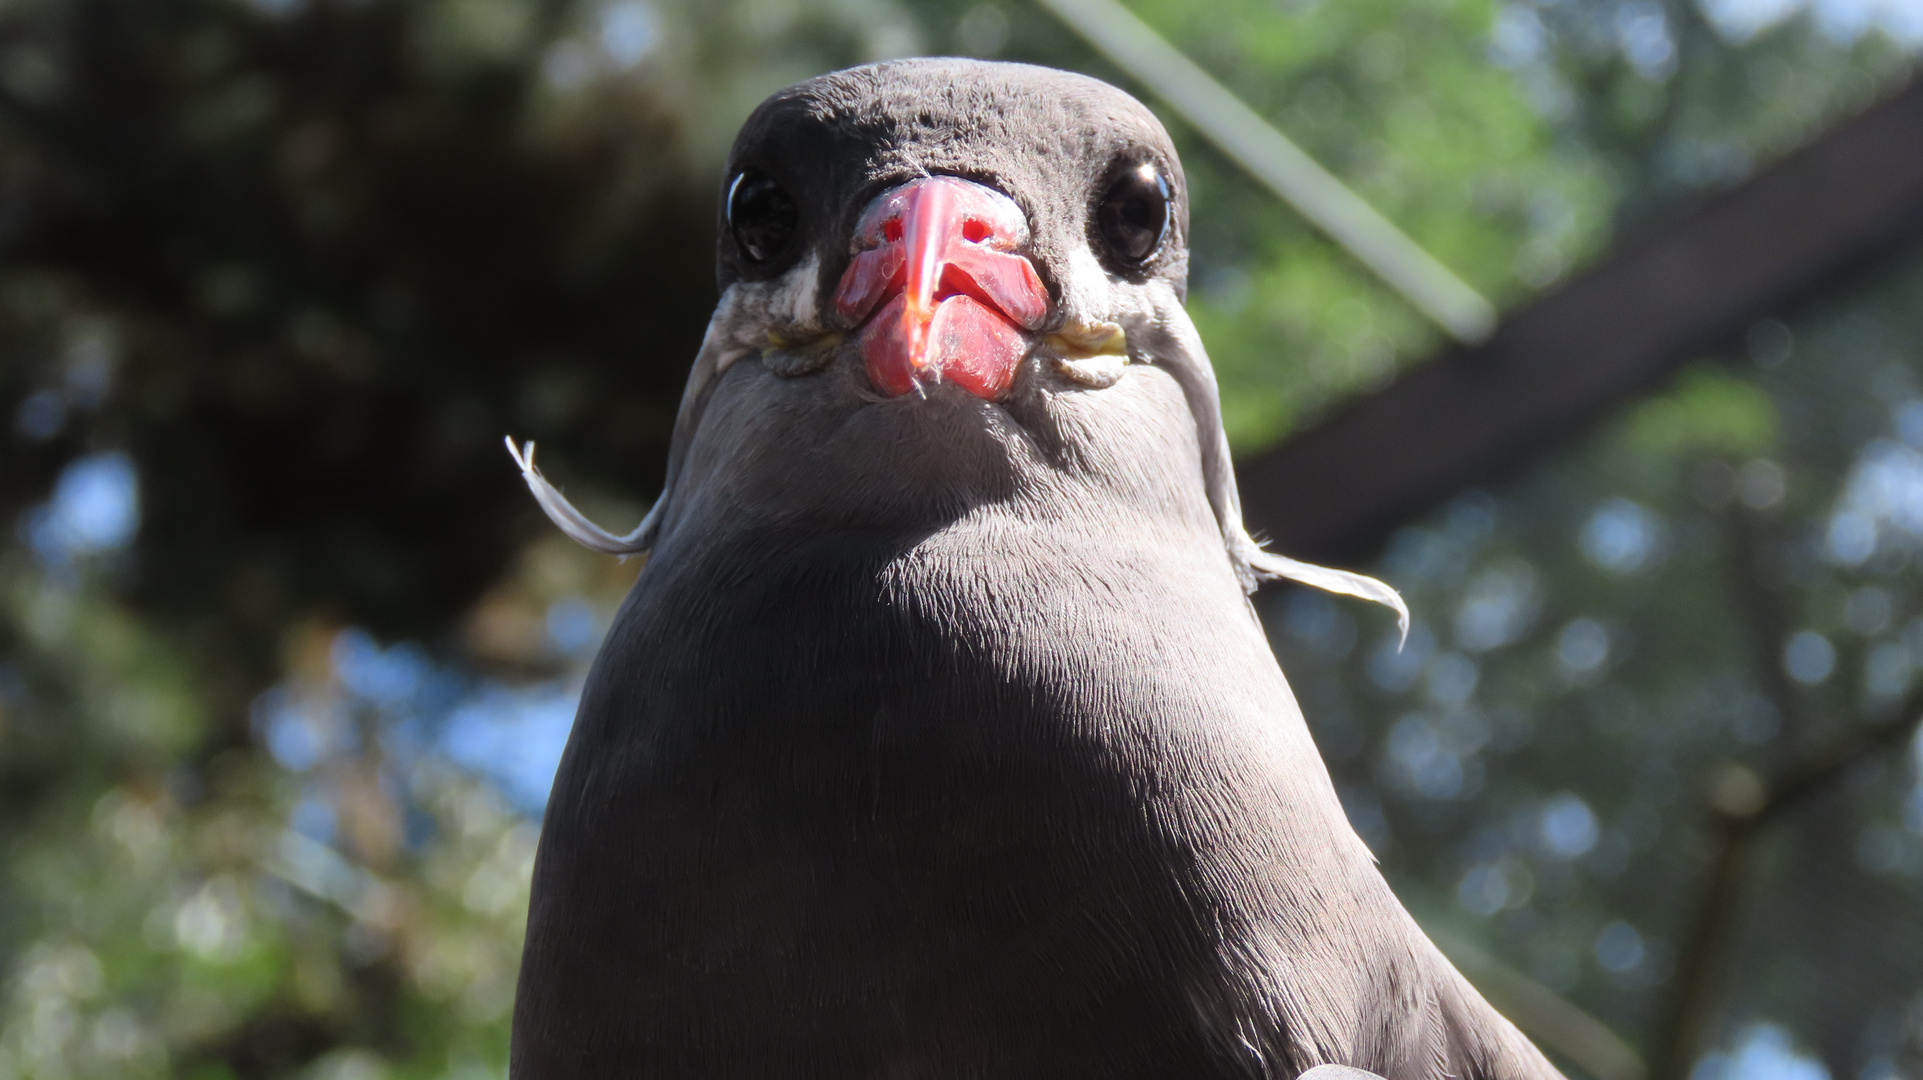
x=1133, y=216
x=760, y=215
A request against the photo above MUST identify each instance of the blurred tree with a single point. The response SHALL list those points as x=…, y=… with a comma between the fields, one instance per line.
x=276, y=276
x=328, y=254
x=1647, y=740
x=293, y=270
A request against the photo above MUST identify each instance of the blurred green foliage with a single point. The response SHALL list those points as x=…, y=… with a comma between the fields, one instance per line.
x=1638, y=641
x=299, y=264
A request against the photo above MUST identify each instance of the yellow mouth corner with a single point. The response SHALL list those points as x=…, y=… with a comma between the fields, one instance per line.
x=1081, y=341
x=823, y=339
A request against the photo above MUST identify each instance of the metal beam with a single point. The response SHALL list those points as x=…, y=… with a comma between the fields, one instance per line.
x=1620, y=328
x=1281, y=166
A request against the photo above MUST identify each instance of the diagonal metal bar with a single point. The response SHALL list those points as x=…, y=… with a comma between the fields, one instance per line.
x=1618, y=329
x=1280, y=165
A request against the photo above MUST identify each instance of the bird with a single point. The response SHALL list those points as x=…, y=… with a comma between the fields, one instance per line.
x=938, y=736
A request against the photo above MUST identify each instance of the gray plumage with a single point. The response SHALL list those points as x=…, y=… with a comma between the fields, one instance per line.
x=937, y=737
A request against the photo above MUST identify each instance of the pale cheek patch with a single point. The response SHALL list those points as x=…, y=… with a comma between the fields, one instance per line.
x=778, y=314
x=1091, y=296
x=792, y=299
x=1090, y=350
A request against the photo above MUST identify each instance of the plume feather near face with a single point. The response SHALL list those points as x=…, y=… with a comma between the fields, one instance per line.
x=1159, y=333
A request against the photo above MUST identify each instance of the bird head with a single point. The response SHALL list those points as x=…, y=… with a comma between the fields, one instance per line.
x=945, y=281
x=960, y=222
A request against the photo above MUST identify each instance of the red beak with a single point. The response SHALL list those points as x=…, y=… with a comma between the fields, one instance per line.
x=942, y=252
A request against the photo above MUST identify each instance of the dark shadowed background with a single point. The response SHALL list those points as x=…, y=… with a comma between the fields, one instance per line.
x=287, y=654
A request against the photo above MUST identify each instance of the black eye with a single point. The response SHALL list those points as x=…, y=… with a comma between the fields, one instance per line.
x=1133, y=216
x=760, y=214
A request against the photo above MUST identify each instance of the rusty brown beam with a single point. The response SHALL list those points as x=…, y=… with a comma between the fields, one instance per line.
x=1334, y=492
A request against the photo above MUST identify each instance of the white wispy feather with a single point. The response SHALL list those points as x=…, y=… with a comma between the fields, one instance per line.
x=1162, y=334
x=1165, y=337
x=573, y=522
x=1328, y=579
x=731, y=334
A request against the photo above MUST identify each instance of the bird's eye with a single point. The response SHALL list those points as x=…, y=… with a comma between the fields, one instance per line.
x=1133, y=216
x=760, y=215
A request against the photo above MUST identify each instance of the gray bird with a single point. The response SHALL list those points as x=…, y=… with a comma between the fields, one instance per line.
x=938, y=737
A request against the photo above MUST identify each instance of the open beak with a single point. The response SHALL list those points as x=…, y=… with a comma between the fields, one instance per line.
x=939, y=289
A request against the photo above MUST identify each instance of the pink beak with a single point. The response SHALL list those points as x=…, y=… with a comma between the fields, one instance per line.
x=941, y=252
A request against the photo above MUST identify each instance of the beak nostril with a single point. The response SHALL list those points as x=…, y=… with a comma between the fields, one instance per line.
x=975, y=230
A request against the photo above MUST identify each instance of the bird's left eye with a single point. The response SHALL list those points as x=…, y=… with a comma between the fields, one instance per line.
x=760, y=215
x=1133, y=216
